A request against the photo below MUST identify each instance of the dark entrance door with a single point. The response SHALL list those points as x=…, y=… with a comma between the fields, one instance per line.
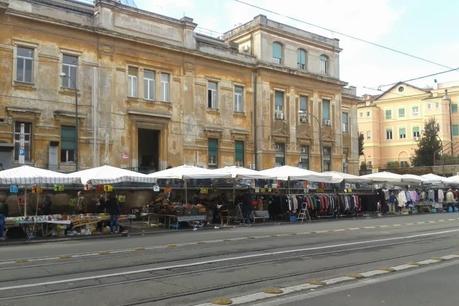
x=148, y=150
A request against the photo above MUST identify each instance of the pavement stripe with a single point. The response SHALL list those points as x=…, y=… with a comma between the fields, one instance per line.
x=448, y=257
x=396, y=225
x=224, y=259
x=373, y=273
x=354, y=228
x=428, y=261
x=421, y=222
x=383, y=226
x=337, y=280
x=451, y=219
x=262, y=236
x=369, y=227
x=321, y=232
x=339, y=230
x=403, y=267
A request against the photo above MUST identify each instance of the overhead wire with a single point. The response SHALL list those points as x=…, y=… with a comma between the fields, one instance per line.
x=345, y=34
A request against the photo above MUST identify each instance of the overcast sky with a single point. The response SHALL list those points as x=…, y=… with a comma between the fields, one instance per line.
x=428, y=29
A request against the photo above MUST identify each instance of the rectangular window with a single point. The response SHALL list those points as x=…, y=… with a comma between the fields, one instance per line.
x=69, y=71
x=238, y=99
x=326, y=111
x=24, y=64
x=401, y=112
x=304, y=157
x=388, y=114
x=149, y=84
x=455, y=130
x=165, y=87
x=402, y=133
x=454, y=108
x=68, y=144
x=326, y=158
x=368, y=114
x=132, y=81
x=22, y=141
x=368, y=134
x=416, y=133
x=361, y=114
x=280, y=154
x=301, y=59
x=279, y=105
x=415, y=110
x=212, y=153
x=212, y=95
x=388, y=134
x=239, y=153
x=345, y=119
x=429, y=106
x=303, y=109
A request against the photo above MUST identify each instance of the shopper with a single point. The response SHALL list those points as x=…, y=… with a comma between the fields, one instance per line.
x=47, y=205
x=114, y=210
x=3, y=215
x=392, y=202
x=450, y=200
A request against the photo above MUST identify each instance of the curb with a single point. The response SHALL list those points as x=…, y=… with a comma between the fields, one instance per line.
x=312, y=284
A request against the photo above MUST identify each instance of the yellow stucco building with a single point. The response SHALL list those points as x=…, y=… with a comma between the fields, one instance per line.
x=393, y=122
x=153, y=92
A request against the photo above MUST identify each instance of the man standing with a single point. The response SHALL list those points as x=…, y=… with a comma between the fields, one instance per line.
x=114, y=210
x=3, y=215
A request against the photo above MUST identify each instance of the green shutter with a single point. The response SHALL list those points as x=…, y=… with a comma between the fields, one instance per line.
x=239, y=152
x=68, y=138
x=326, y=109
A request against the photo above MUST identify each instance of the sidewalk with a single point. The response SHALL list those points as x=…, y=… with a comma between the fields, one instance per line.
x=135, y=230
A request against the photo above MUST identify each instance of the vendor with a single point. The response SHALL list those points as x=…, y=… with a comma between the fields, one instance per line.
x=3, y=215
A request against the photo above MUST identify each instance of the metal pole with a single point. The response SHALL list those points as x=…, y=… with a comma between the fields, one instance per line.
x=76, y=128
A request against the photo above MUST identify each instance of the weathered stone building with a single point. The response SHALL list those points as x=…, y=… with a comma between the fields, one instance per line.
x=152, y=92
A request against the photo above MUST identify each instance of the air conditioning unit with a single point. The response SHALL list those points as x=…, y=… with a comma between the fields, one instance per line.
x=276, y=60
x=327, y=122
x=246, y=48
x=279, y=115
x=301, y=66
x=416, y=138
x=303, y=118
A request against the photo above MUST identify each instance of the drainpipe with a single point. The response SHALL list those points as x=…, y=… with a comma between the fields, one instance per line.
x=255, y=146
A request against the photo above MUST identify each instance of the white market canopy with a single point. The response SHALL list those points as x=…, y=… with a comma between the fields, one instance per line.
x=383, y=177
x=27, y=175
x=454, y=180
x=187, y=172
x=240, y=172
x=110, y=175
x=346, y=177
x=433, y=178
x=285, y=173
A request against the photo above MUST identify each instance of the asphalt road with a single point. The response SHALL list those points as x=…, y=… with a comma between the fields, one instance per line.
x=189, y=268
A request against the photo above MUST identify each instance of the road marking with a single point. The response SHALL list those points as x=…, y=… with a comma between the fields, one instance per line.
x=409, y=223
x=431, y=221
x=451, y=219
x=321, y=232
x=428, y=261
x=383, y=226
x=448, y=257
x=404, y=267
x=421, y=222
x=369, y=227
x=396, y=225
x=337, y=280
x=339, y=230
x=224, y=259
x=353, y=228
x=374, y=272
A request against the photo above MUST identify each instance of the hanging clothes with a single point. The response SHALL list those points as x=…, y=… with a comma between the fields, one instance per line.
x=441, y=196
x=401, y=198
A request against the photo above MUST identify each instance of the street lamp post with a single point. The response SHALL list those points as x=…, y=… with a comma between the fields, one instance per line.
x=76, y=120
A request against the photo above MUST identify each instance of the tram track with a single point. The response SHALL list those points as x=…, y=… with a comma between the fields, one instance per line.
x=172, y=275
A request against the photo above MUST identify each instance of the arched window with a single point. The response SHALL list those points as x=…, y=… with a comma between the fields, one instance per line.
x=302, y=59
x=324, y=64
x=277, y=52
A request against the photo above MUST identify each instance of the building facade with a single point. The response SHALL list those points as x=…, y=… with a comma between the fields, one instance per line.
x=393, y=122
x=111, y=84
